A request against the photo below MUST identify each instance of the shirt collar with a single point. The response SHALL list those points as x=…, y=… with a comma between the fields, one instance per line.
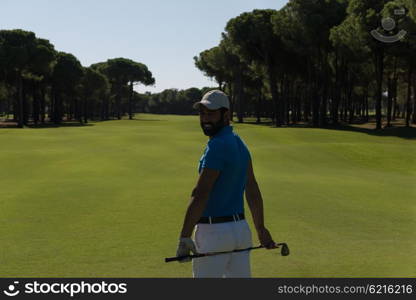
x=225, y=130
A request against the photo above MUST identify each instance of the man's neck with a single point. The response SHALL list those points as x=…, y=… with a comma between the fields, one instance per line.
x=226, y=125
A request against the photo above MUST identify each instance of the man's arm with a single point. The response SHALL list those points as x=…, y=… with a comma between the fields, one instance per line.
x=199, y=198
x=255, y=203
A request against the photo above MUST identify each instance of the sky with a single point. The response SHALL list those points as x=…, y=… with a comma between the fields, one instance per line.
x=165, y=35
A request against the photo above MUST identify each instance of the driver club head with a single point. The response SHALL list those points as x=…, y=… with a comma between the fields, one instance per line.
x=284, y=249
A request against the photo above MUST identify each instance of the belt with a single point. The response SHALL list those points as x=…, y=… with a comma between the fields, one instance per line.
x=213, y=220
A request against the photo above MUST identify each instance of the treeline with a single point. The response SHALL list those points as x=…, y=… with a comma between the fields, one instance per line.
x=314, y=61
x=171, y=101
x=318, y=61
x=40, y=84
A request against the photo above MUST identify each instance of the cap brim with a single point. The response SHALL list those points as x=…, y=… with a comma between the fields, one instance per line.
x=206, y=104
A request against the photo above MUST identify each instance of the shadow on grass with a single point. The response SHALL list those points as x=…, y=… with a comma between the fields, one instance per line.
x=400, y=131
x=138, y=119
x=13, y=125
x=64, y=124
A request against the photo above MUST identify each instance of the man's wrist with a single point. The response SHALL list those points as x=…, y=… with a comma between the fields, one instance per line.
x=185, y=234
x=260, y=227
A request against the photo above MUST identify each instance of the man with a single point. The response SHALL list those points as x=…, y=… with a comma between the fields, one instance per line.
x=217, y=206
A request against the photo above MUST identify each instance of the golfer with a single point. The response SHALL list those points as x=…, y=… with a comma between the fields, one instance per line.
x=216, y=208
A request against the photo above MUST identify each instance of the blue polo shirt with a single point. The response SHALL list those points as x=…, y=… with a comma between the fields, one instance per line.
x=227, y=153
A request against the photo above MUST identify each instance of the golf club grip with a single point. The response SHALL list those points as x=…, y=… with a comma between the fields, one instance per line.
x=169, y=259
x=177, y=258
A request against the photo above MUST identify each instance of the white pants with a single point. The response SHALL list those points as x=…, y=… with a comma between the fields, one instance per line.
x=222, y=237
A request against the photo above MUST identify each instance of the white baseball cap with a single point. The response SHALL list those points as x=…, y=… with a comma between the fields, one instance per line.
x=213, y=100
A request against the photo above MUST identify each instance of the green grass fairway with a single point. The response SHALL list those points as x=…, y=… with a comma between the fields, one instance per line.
x=107, y=200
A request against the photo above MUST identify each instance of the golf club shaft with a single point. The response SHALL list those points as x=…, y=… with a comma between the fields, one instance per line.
x=169, y=259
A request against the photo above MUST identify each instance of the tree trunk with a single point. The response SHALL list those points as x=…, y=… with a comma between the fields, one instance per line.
x=107, y=107
x=299, y=107
x=337, y=93
x=58, y=108
x=232, y=100
x=85, y=111
x=397, y=111
x=131, y=101
x=409, y=95
x=51, y=111
x=367, y=117
x=394, y=105
x=273, y=89
x=287, y=102
x=350, y=98
x=325, y=86
x=316, y=85
x=42, y=105
x=323, y=108
x=284, y=100
x=20, y=105
x=36, y=105
x=379, y=98
x=258, y=106
x=239, y=94
x=350, y=108
x=389, y=101
x=414, y=100
x=25, y=90
x=72, y=108
x=307, y=102
x=77, y=111
x=295, y=107
x=102, y=108
x=118, y=102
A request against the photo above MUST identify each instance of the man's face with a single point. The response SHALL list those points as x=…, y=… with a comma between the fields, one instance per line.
x=211, y=120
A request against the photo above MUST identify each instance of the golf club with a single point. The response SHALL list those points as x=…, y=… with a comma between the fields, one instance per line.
x=284, y=251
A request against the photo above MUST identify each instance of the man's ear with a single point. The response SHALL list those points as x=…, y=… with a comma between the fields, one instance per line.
x=227, y=115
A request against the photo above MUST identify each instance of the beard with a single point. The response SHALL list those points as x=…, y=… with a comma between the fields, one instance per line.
x=211, y=129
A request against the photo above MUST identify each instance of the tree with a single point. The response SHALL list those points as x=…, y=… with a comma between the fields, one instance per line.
x=404, y=49
x=368, y=16
x=223, y=64
x=312, y=21
x=351, y=66
x=17, y=48
x=67, y=74
x=95, y=87
x=411, y=6
x=212, y=63
x=40, y=68
x=137, y=73
x=255, y=41
x=122, y=72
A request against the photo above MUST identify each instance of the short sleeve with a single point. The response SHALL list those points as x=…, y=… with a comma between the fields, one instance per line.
x=214, y=157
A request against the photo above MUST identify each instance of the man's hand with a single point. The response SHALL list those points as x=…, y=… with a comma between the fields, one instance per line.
x=266, y=239
x=186, y=245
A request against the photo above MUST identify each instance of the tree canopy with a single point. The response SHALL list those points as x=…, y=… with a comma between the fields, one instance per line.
x=38, y=81
x=318, y=62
